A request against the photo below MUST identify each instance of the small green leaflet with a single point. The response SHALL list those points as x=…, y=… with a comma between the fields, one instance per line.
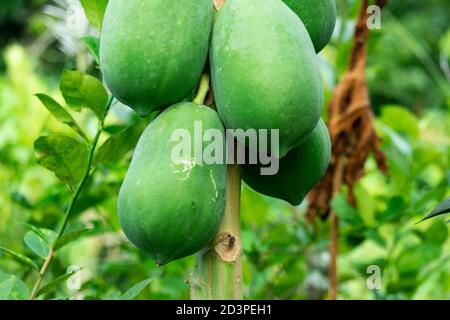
x=61, y=114
x=6, y=287
x=12, y=288
x=38, y=244
x=118, y=145
x=38, y=231
x=54, y=283
x=133, y=292
x=95, y=10
x=64, y=156
x=84, y=91
x=20, y=258
x=93, y=45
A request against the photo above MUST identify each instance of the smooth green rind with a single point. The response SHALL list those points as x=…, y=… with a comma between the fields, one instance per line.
x=153, y=52
x=264, y=70
x=299, y=171
x=171, y=210
x=319, y=17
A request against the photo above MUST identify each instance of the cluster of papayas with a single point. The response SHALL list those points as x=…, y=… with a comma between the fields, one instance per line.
x=265, y=75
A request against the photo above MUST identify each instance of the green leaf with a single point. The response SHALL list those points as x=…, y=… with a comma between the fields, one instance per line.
x=345, y=211
x=20, y=258
x=395, y=209
x=132, y=293
x=95, y=10
x=69, y=237
x=12, y=288
x=401, y=120
x=60, y=113
x=437, y=233
x=6, y=287
x=39, y=245
x=39, y=232
x=118, y=145
x=90, y=200
x=397, y=140
x=442, y=208
x=375, y=236
x=412, y=260
x=115, y=128
x=21, y=200
x=114, y=295
x=93, y=45
x=64, y=156
x=54, y=283
x=84, y=91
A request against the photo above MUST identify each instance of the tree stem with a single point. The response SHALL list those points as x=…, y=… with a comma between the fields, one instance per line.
x=218, y=270
x=69, y=209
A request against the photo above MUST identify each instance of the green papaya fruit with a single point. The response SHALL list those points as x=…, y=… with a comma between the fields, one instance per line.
x=319, y=17
x=264, y=70
x=299, y=171
x=172, y=209
x=153, y=52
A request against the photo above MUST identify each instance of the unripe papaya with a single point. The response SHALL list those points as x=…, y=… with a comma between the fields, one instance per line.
x=153, y=52
x=319, y=17
x=264, y=70
x=172, y=209
x=299, y=171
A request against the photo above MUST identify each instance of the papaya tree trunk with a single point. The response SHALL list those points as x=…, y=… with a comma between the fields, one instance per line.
x=218, y=268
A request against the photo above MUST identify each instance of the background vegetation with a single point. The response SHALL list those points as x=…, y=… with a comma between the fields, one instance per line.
x=285, y=257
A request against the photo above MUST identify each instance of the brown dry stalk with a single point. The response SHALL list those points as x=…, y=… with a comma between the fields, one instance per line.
x=353, y=139
x=350, y=124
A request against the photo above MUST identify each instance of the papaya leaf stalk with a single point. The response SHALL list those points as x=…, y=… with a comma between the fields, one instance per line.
x=90, y=168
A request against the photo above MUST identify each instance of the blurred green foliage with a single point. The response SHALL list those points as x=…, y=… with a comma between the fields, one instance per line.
x=14, y=16
x=285, y=257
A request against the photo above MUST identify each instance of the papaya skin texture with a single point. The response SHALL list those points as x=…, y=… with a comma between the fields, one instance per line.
x=166, y=209
x=264, y=70
x=153, y=52
x=299, y=172
x=319, y=17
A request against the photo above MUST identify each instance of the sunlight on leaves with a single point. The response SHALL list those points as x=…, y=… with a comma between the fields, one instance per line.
x=84, y=91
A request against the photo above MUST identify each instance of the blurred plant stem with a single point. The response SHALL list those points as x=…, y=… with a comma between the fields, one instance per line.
x=82, y=60
x=334, y=232
x=88, y=173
